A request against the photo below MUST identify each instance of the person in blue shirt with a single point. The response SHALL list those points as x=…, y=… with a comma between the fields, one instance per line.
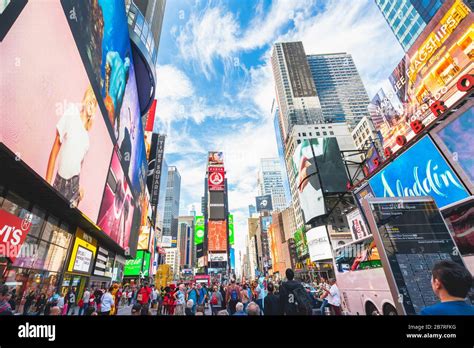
x=193, y=295
x=239, y=309
x=202, y=296
x=451, y=283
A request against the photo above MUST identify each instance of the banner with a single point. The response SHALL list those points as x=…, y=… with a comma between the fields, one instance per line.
x=216, y=178
x=357, y=225
x=155, y=168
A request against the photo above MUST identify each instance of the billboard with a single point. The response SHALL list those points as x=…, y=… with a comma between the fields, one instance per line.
x=155, y=167
x=218, y=257
x=199, y=230
x=319, y=245
x=100, y=30
x=300, y=243
x=117, y=208
x=460, y=220
x=419, y=171
x=264, y=203
x=231, y=229
x=357, y=225
x=216, y=178
x=83, y=253
x=372, y=160
x=426, y=79
x=166, y=241
x=216, y=211
x=215, y=158
x=454, y=138
x=217, y=235
x=411, y=237
x=13, y=232
x=140, y=262
x=50, y=117
x=232, y=258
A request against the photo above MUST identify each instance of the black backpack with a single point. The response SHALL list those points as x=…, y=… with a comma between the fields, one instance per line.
x=302, y=301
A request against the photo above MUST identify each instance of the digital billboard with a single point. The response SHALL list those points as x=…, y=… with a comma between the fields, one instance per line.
x=300, y=243
x=100, y=30
x=216, y=178
x=319, y=245
x=217, y=235
x=199, y=230
x=411, y=237
x=117, y=208
x=454, y=138
x=460, y=220
x=264, y=203
x=231, y=229
x=135, y=266
x=83, y=253
x=357, y=225
x=215, y=158
x=50, y=116
x=426, y=79
x=419, y=171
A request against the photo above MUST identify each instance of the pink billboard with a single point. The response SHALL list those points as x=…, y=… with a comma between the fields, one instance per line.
x=50, y=115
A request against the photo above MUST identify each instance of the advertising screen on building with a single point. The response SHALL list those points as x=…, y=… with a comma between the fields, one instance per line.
x=411, y=237
x=318, y=244
x=215, y=158
x=357, y=225
x=139, y=263
x=166, y=241
x=454, y=138
x=264, y=203
x=216, y=211
x=199, y=226
x=117, y=209
x=53, y=125
x=218, y=257
x=427, y=74
x=231, y=229
x=372, y=160
x=83, y=253
x=300, y=243
x=232, y=258
x=100, y=30
x=217, y=235
x=460, y=220
x=216, y=178
x=419, y=171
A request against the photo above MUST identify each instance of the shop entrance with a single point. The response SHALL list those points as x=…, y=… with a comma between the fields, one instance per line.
x=74, y=281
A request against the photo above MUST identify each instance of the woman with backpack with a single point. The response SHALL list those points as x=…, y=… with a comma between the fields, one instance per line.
x=216, y=300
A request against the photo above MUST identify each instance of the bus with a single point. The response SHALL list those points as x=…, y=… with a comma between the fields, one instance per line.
x=361, y=279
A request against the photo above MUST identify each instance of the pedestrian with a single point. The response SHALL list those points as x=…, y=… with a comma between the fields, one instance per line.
x=107, y=302
x=239, y=309
x=129, y=296
x=154, y=297
x=180, y=298
x=334, y=297
x=244, y=295
x=40, y=304
x=324, y=288
x=294, y=299
x=143, y=297
x=192, y=294
x=90, y=311
x=5, y=308
x=28, y=301
x=260, y=293
x=253, y=309
x=189, y=307
x=216, y=300
x=71, y=300
x=202, y=298
x=97, y=296
x=271, y=304
x=451, y=283
x=136, y=309
x=232, y=296
x=85, y=301
x=55, y=310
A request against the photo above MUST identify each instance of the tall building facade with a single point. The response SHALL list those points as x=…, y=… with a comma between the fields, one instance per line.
x=408, y=18
x=186, y=241
x=170, y=220
x=297, y=98
x=340, y=89
x=270, y=182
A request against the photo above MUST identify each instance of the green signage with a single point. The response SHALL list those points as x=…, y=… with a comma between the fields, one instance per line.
x=134, y=267
x=231, y=229
x=300, y=243
x=198, y=230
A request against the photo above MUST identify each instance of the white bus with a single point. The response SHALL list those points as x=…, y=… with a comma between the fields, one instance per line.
x=361, y=279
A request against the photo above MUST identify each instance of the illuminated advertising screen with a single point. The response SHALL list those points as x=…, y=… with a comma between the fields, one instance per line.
x=231, y=229
x=318, y=244
x=199, y=230
x=419, y=171
x=50, y=116
x=232, y=258
x=300, y=243
x=135, y=266
x=216, y=178
x=100, y=30
x=117, y=209
x=217, y=235
x=411, y=237
x=460, y=220
x=83, y=253
x=454, y=138
x=215, y=158
x=429, y=73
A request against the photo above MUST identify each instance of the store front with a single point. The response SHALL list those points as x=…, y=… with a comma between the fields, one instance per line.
x=33, y=263
x=102, y=274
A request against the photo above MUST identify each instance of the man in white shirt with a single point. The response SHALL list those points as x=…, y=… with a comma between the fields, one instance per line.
x=85, y=299
x=107, y=302
x=334, y=297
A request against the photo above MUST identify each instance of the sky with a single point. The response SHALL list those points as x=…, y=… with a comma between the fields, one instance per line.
x=215, y=86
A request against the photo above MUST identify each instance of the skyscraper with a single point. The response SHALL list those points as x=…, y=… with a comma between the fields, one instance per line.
x=170, y=220
x=270, y=182
x=340, y=89
x=186, y=241
x=408, y=18
x=297, y=99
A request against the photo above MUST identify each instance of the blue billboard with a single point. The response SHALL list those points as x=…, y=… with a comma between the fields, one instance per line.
x=420, y=171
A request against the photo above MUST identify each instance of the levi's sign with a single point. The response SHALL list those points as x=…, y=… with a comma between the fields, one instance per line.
x=13, y=231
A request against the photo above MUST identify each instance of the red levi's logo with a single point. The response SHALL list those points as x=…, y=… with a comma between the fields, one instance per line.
x=13, y=231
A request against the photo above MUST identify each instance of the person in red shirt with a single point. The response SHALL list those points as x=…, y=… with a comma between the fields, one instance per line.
x=143, y=297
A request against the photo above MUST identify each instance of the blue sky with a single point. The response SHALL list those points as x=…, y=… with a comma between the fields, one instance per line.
x=215, y=86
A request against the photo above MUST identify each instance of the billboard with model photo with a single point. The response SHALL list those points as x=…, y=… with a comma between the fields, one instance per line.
x=100, y=29
x=50, y=115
